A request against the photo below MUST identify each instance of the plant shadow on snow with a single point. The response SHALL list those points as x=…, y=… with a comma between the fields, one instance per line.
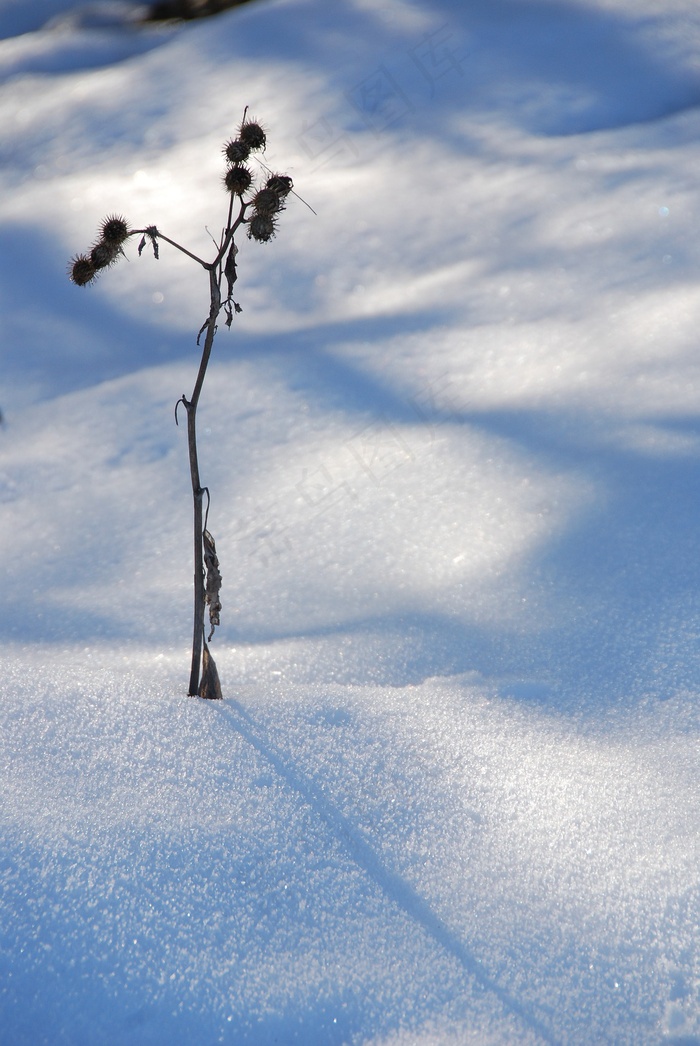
x=395, y=887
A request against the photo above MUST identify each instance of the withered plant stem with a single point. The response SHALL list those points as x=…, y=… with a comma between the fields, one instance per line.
x=190, y=405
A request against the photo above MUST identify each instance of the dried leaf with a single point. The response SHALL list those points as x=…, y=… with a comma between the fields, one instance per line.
x=231, y=277
x=230, y=268
x=209, y=687
x=212, y=584
x=152, y=233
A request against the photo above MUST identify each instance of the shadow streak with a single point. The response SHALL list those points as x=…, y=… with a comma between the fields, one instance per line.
x=396, y=889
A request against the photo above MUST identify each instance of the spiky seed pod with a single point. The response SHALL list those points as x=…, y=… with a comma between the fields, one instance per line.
x=280, y=183
x=267, y=201
x=104, y=254
x=236, y=151
x=261, y=227
x=252, y=134
x=115, y=230
x=238, y=179
x=81, y=270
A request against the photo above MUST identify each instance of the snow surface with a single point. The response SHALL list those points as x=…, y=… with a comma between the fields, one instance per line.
x=451, y=796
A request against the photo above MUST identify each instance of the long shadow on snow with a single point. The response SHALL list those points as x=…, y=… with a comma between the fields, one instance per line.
x=399, y=892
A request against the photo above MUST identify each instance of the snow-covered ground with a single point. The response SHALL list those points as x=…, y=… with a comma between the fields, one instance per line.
x=452, y=442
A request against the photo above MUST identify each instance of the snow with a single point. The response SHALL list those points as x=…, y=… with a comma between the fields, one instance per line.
x=451, y=795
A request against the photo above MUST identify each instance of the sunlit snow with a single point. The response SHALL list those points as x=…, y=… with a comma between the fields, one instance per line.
x=451, y=796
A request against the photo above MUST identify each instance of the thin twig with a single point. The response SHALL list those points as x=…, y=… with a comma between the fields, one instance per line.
x=152, y=231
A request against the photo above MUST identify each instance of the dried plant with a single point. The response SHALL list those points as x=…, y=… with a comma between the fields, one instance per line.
x=255, y=203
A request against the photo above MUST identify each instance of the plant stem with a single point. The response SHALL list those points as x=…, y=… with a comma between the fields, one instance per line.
x=197, y=490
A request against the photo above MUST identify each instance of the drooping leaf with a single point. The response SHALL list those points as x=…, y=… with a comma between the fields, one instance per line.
x=212, y=585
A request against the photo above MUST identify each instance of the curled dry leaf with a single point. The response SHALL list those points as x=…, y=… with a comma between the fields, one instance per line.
x=212, y=585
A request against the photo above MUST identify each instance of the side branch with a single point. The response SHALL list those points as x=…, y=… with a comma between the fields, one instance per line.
x=155, y=234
